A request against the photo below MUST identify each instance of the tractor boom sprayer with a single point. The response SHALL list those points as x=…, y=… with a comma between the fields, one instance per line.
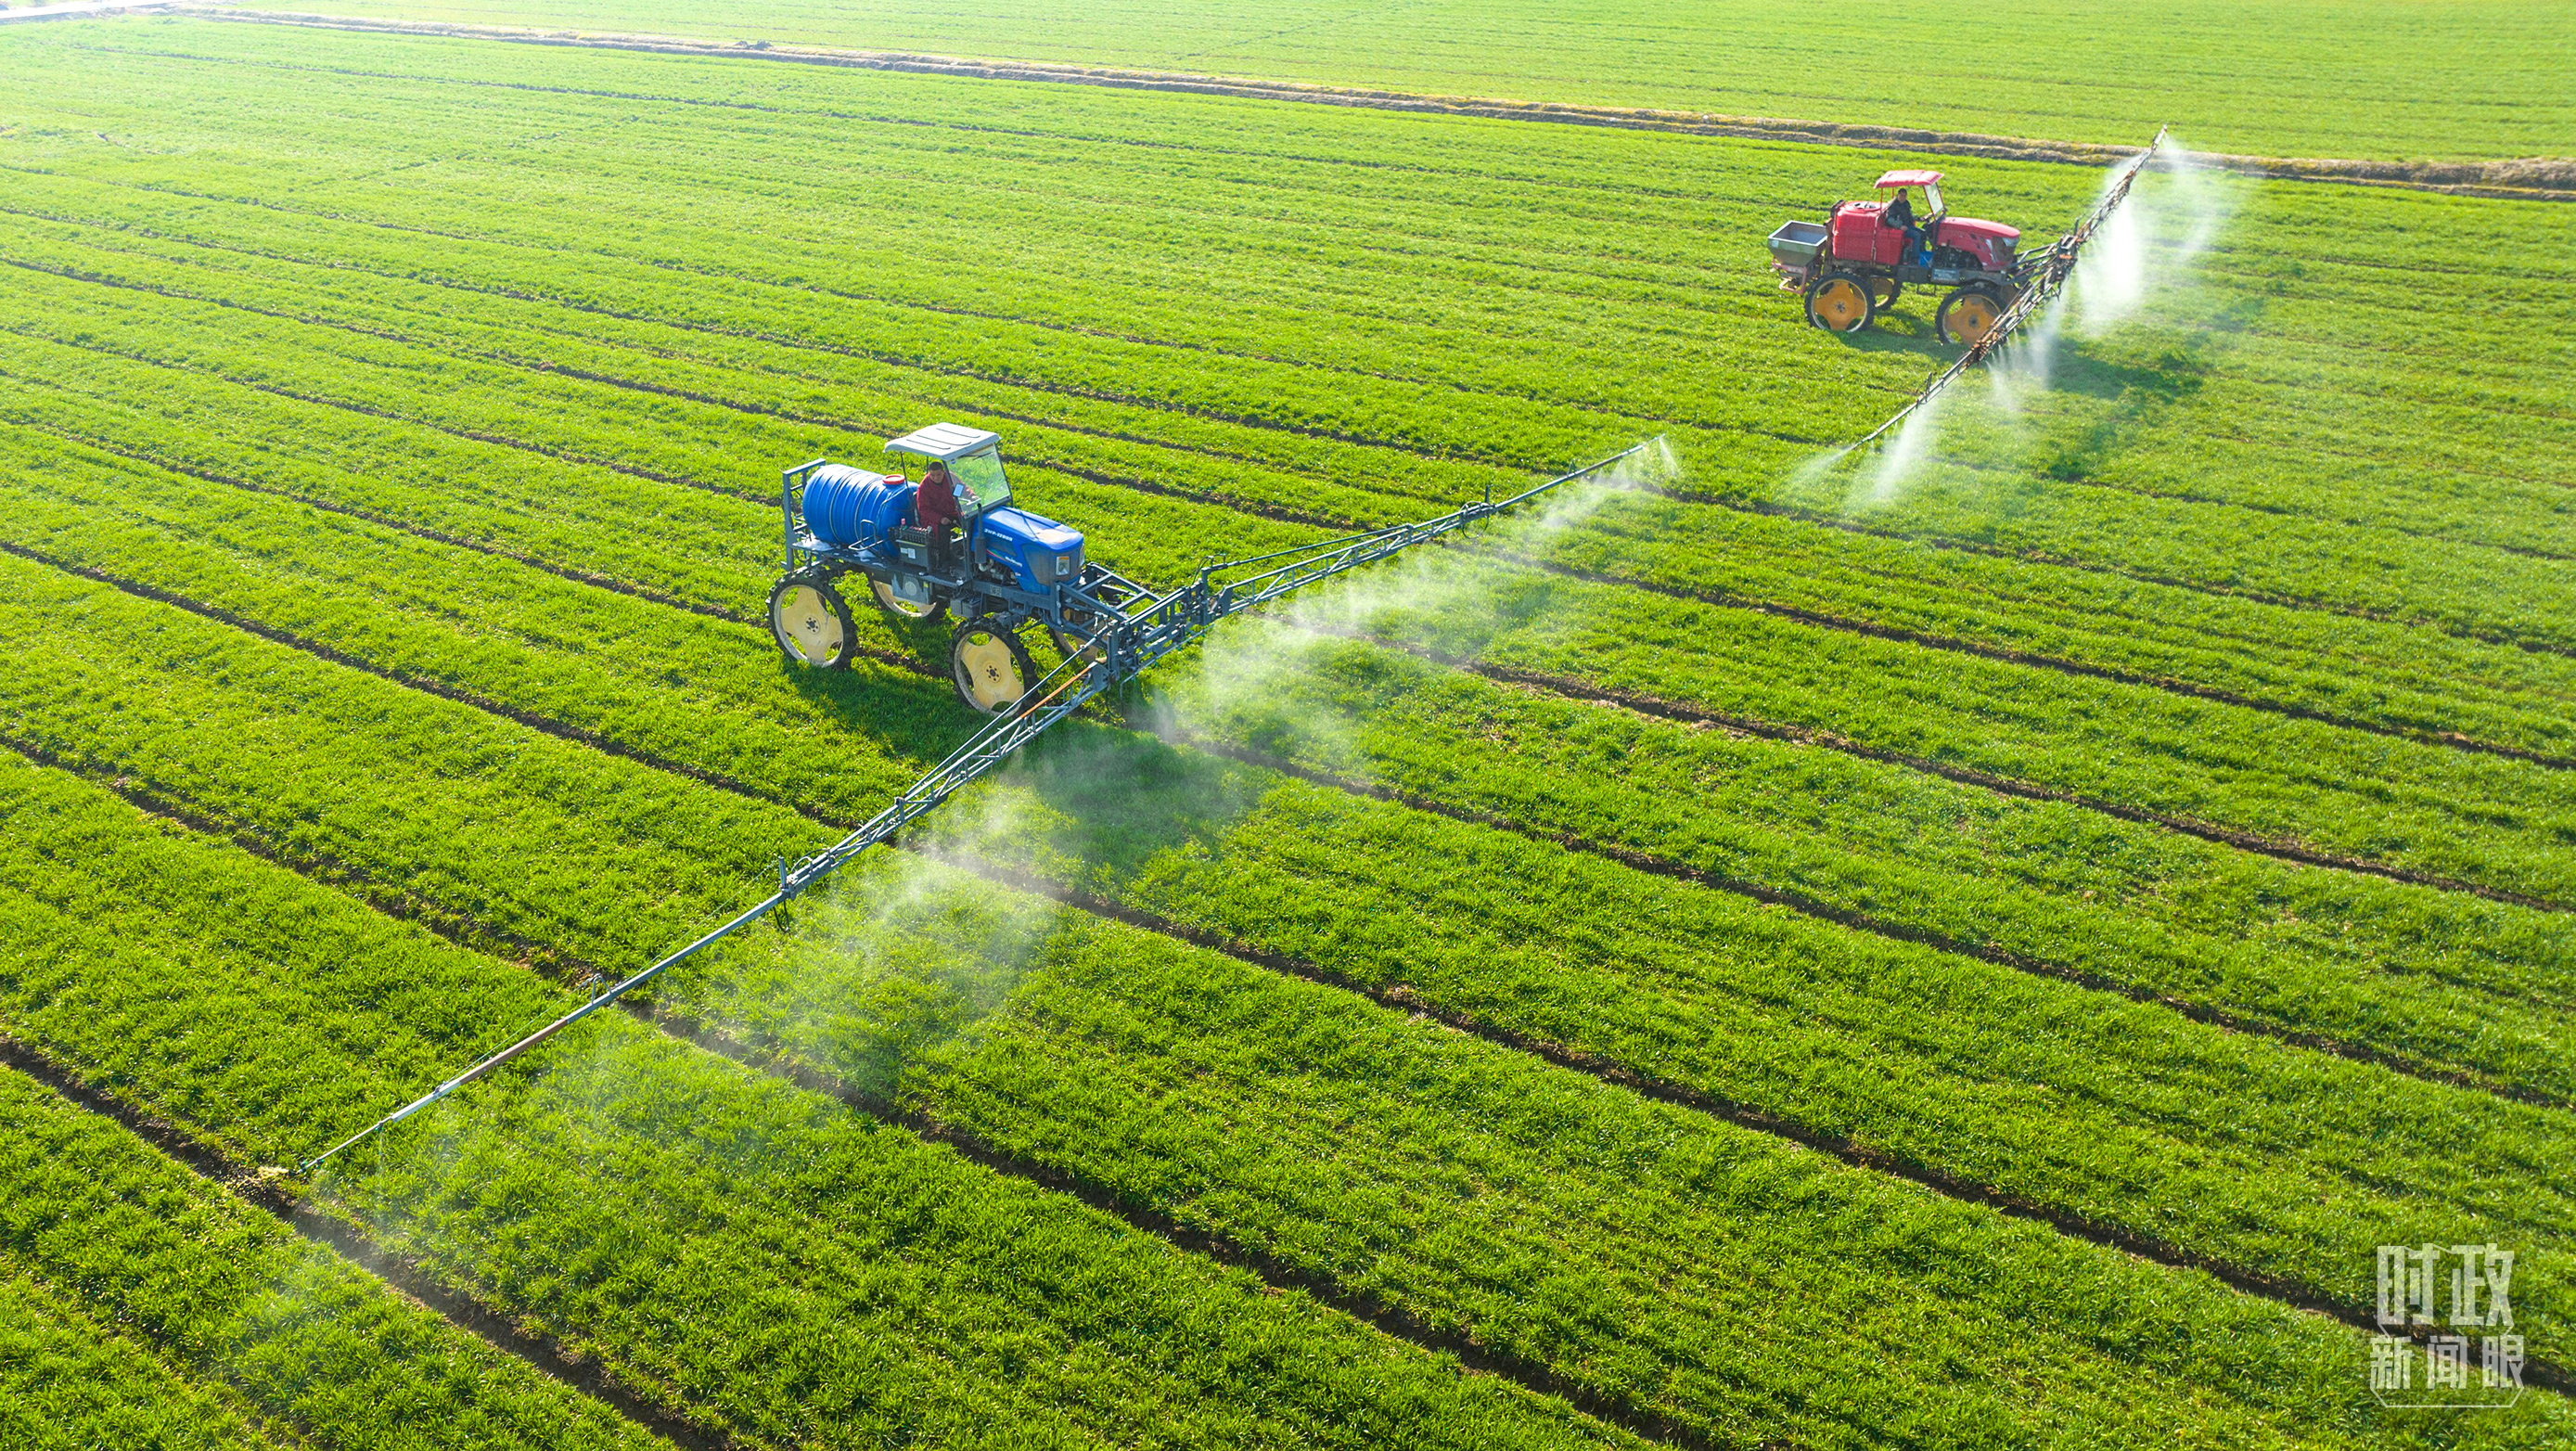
x=1003, y=569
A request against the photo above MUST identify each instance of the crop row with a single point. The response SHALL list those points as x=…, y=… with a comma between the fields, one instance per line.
x=2436, y=978
x=704, y=1233
x=2112, y=1114
x=730, y=1244
x=2179, y=758
x=2105, y=619
x=1171, y=541
x=66, y=1382
x=150, y=1309
x=2103, y=530
x=2116, y=555
x=1506, y=183
x=919, y=270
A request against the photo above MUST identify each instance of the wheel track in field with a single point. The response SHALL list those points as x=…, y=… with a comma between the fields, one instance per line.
x=1729, y=503
x=579, y=1373
x=1718, y=598
x=469, y=931
x=466, y=931
x=1573, y=689
x=562, y=967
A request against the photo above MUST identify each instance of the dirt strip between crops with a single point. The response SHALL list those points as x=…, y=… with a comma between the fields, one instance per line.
x=1632, y=857
x=272, y=1194
x=2530, y=179
x=476, y=936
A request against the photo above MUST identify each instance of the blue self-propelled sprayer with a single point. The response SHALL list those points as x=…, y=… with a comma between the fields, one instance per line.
x=1002, y=570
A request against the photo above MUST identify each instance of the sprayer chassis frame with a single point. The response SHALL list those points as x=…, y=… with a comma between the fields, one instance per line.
x=1799, y=279
x=1097, y=593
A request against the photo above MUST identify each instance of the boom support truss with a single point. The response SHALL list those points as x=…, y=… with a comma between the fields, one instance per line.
x=1139, y=637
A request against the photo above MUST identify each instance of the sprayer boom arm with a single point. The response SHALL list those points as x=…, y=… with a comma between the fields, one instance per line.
x=2044, y=272
x=1136, y=639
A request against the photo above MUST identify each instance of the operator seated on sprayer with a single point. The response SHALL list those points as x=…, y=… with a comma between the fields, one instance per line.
x=935, y=506
x=1900, y=215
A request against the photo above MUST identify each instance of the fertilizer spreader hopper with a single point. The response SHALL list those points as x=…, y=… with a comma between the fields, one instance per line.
x=1003, y=570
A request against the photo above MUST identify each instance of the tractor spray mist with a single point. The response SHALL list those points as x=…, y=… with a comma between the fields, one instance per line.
x=1296, y=684
x=2138, y=266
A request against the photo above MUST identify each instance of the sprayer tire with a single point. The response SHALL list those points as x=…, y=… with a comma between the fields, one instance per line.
x=1967, y=315
x=904, y=612
x=1841, y=302
x=989, y=666
x=811, y=622
x=1884, y=291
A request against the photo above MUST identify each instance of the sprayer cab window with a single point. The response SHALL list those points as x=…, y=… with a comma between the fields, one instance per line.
x=980, y=482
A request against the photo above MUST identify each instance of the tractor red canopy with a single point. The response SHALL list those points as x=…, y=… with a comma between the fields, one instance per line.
x=1909, y=178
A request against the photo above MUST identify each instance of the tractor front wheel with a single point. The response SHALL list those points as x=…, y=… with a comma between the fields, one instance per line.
x=1840, y=302
x=811, y=622
x=1967, y=315
x=989, y=665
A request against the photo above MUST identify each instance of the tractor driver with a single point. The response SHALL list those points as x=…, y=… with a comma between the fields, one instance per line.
x=1900, y=215
x=934, y=505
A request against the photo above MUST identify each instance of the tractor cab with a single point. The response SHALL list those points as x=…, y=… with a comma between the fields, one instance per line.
x=1929, y=181
x=1010, y=543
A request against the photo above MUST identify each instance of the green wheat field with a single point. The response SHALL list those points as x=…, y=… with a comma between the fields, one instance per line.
x=1976, y=946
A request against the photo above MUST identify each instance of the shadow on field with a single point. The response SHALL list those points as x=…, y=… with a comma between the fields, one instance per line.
x=2140, y=391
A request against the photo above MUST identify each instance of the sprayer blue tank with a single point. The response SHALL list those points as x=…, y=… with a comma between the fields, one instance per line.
x=851, y=508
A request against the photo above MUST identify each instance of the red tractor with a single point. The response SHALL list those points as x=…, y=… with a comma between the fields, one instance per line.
x=1866, y=253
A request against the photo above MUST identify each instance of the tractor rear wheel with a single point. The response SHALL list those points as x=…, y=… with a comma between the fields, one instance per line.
x=811, y=622
x=1967, y=315
x=903, y=610
x=1840, y=302
x=989, y=666
x=1883, y=292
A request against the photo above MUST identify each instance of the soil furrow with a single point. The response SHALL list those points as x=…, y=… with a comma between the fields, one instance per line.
x=273, y=1193
x=1850, y=1151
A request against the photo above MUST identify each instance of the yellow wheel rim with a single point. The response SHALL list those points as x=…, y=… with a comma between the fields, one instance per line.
x=1881, y=289
x=988, y=671
x=1842, y=304
x=1973, y=318
x=896, y=603
x=807, y=625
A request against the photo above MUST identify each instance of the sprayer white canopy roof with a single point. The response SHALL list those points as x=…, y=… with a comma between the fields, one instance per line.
x=1910, y=178
x=943, y=441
